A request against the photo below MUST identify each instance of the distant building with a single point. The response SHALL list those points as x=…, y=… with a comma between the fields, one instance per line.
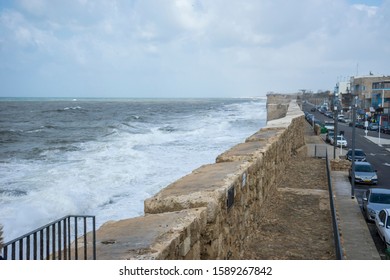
x=343, y=91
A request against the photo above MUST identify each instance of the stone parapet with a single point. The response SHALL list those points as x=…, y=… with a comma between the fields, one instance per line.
x=278, y=104
x=164, y=236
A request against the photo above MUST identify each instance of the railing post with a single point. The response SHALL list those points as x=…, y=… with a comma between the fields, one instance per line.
x=336, y=234
x=94, y=237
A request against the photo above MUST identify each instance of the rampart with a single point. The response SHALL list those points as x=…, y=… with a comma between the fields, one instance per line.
x=210, y=213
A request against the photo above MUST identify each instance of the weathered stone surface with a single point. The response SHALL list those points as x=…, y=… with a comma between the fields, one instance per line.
x=247, y=151
x=265, y=134
x=205, y=186
x=171, y=235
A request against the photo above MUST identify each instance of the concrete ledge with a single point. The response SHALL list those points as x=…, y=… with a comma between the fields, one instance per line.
x=265, y=134
x=247, y=151
x=206, y=186
x=171, y=235
x=293, y=112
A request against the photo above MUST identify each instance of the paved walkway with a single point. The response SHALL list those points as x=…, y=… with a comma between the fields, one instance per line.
x=355, y=237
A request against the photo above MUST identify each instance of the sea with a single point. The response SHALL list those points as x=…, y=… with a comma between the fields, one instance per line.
x=104, y=157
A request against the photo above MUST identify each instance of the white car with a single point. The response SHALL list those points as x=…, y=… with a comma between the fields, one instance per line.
x=341, y=141
x=382, y=223
x=329, y=125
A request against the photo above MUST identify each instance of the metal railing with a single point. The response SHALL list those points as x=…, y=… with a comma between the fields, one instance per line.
x=59, y=240
x=336, y=232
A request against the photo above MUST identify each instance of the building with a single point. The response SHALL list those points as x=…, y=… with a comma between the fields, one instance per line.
x=380, y=100
x=371, y=91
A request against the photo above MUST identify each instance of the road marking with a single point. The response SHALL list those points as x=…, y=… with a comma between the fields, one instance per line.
x=387, y=164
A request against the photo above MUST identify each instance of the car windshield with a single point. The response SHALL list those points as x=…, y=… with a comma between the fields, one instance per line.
x=358, y=153
x=380, y=198
x=363, y=168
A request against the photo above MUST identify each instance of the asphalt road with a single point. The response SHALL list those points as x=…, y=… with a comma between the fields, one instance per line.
x=378, y=156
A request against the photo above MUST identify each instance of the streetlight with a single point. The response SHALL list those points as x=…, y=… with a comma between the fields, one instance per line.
x=353, y=147
x=335, y=111
x=380, y=116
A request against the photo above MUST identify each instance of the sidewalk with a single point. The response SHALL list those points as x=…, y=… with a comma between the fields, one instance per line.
x=355, y=236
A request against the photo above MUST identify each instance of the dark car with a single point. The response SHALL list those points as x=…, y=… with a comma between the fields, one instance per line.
x=359, y=155
x=375, y=200
x=364, y=173
x=385, y=129
x=359, y=125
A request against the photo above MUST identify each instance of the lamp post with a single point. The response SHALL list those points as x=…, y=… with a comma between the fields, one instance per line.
x=335, y=111
x=380, y=116
x=353, y=147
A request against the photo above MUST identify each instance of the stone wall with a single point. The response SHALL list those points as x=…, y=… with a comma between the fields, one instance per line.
x=340, y=164
x=210, y=213
x=277, y=105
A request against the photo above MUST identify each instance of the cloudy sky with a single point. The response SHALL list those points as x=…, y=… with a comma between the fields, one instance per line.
x=188, y=48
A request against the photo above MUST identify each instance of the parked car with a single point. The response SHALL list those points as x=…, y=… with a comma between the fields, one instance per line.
x=385, y=129
x=340, y=141
x=359, y=155
x=375, y=200
x=341, y=119
x=329, y=135
x=313, y=109
x=364, y=173
x=348, y=121
x=373, y=127
x=329, y=125
x=329, y=114
x=382, y=223
x=309, y=117
x=359, y=124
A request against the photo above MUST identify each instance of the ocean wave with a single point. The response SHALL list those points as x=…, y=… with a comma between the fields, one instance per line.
x=10, y=135
x=13, y=192
x=167, y=128
x=107, y=158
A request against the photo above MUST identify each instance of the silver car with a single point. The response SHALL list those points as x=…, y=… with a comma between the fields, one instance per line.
x=375, y=200
x=364, y=173
x=382, y=223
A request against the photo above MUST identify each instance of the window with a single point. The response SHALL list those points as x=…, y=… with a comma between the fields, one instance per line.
x=382, y=216
x=380, y=198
